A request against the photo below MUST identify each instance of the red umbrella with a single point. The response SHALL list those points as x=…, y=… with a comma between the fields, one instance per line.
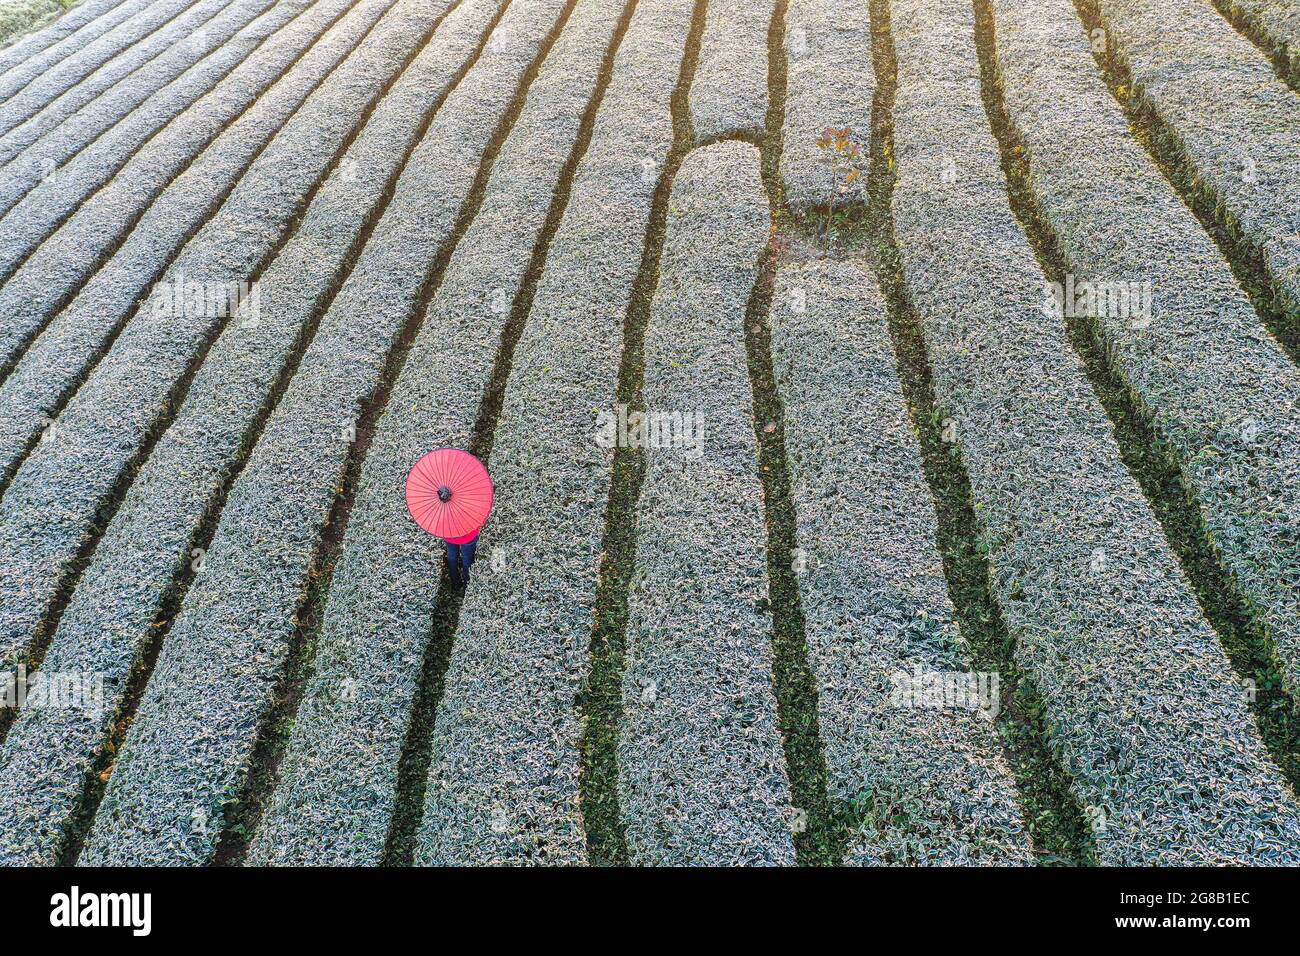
x=449, y=493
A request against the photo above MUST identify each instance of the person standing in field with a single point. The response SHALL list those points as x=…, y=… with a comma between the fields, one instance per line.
x=449, y=494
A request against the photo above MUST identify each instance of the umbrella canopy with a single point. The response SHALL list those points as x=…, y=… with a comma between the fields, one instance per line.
x=449, y=493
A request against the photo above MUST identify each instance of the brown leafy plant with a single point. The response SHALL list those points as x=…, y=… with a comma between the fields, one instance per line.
x=844, y=156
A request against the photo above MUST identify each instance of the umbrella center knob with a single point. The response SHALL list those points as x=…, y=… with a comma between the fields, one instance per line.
x=444, y=493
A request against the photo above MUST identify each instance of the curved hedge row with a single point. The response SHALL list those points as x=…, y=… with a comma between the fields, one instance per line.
x=1218, y=388
x=123, y=117
x=337, y=794
x=74, y=340
x=132, y=67
x=97, y=65
x=238, y=619
x=110, y=618
x=1236, y=123
x=1149, y=719
x=503, y=779
x=873, y=593
x=701, y=769
x=62, y=489
x=73, y=17
x=24, y=16
x=71, y=122
x=1275, y=24
x=32, y=56
x=287, y=68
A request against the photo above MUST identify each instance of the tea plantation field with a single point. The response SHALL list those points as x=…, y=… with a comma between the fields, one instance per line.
x=893, y=408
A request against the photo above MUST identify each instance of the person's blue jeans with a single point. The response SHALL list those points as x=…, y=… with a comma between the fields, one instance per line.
x=459, y=559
